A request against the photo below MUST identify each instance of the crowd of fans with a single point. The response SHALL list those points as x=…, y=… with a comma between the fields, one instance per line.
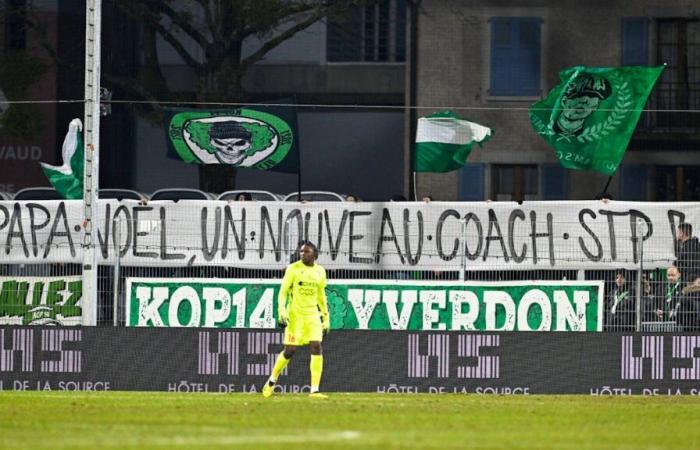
x=669, y=302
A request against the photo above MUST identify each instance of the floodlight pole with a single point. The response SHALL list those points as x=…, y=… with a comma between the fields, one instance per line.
x=91, y=136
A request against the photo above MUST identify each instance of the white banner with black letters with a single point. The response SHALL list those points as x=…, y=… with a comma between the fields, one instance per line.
x=381, y=236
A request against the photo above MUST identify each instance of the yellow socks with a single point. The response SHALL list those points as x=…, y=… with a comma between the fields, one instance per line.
x=316, y=367
x=280, y=364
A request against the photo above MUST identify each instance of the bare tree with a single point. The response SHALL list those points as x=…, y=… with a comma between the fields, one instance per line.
x=218, y=29
x=208, y=35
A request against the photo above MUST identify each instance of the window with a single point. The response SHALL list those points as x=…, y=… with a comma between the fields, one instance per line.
x=554, y=182
x=514, y=183
x=633, y=182
x=373, y=33
x=515, y=56
x=15, y=25
x=635, y=41
x=471, y=182
x=677, y=183
x=678, y=89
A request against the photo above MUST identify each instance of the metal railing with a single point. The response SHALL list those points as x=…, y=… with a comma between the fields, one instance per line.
x=392, y=241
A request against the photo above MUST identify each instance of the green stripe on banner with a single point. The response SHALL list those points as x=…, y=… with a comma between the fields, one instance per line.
x=516, y=306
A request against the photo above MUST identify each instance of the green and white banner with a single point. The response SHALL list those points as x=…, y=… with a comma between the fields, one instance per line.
x=41, y=300
x=373, y=305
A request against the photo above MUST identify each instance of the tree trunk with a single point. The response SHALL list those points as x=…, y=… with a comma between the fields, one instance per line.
x=220, y=84
x=217, y=178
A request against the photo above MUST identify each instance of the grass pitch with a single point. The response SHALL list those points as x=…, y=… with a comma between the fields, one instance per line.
x=32, y=420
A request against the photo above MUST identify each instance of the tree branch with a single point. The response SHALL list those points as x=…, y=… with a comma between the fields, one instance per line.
x=287, y=14
x=277, y=40
x=171, y=39
x=180, y=19
x=205, y=4
x=151, y=19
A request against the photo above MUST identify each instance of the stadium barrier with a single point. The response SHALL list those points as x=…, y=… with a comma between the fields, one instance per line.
x=42, y=245
x=199, y=360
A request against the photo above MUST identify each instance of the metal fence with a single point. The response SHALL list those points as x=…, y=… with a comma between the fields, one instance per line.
x=629, y=246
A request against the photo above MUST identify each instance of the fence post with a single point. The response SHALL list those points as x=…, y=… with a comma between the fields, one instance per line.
x=288, y=228
x=463, y=263
x=91, y=175
x=115, y=275
x=640, y=271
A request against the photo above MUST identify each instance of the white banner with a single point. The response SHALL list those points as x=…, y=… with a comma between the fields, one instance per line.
x=376, y=236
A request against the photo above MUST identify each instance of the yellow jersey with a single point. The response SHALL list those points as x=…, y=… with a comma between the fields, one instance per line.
x=303, y=290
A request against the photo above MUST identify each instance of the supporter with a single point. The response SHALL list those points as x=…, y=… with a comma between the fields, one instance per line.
x=427, y=198
x=352, y=198
x=689, y=312
x=244, y=197
x=651, y=300
x=672, y=297
x=687, y=252
x=620, y=305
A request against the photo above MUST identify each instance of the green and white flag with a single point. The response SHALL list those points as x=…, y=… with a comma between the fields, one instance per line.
x=68, y=178
x=444, y=141
x=258, y=137
x=589, y=117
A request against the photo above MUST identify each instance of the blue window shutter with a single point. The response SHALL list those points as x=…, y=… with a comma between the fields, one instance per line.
x=515, y=56
x=633, y=182
x=635, y=41
x=555, y=182
x=501, y=50
x=471, y=182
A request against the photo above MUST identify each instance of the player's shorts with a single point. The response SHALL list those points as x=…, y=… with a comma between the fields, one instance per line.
x=303, y=329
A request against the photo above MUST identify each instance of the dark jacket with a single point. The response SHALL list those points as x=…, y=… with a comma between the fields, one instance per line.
x=652, y=301
x=688, y=262
x=620, y=308
x=689, y=311
x=672, y=298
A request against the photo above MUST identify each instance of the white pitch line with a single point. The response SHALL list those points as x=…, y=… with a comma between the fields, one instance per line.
x=187, y=441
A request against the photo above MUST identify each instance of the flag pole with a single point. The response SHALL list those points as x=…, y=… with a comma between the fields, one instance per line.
x=412, y=95
x=299, y=173
x=415, y=187
x=605, y=189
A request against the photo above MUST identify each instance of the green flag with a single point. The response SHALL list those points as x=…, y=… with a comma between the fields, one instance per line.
x=68, y=178
x=262, y=137
x=590, y=116
x=444, y=141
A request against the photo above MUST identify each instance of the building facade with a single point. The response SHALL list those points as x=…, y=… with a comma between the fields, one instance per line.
x=491, y=60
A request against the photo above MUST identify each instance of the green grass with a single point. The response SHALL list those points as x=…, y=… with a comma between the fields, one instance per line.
x=30, y=420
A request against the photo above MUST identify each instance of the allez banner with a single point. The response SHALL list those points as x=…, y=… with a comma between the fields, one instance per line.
x=411, y=236
x=41, y=300
x=373, y=305
x=409, y=362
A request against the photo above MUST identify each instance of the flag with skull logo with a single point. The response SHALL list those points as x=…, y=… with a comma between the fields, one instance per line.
x=257, y=137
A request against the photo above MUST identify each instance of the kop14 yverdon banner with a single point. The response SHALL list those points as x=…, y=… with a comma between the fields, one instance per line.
x=373, y=305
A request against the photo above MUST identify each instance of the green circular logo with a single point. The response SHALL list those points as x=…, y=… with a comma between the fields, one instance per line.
x=241, y=138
